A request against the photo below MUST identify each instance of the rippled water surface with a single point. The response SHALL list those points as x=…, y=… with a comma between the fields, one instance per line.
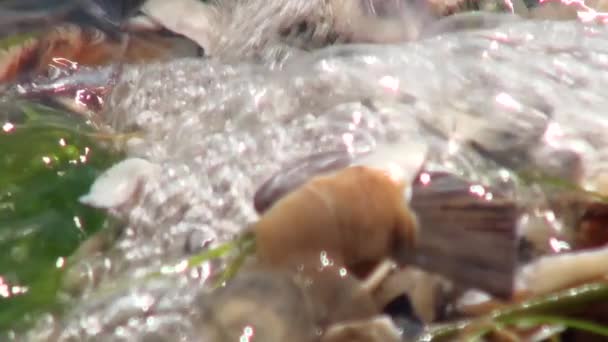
x=532, y=89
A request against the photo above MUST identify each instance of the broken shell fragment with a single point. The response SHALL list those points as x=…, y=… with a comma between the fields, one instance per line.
x=468, y=232
x=558, y=271
x=543, y=276
x=116, y=186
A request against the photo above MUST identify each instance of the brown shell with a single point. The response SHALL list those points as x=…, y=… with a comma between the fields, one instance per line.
x=357, y=216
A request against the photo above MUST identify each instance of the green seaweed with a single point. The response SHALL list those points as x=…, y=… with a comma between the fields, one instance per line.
x=245, y=246
x=48, y=159
x=534, y=310
x=238, y=249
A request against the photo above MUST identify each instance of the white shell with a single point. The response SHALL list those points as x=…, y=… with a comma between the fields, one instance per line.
x=118, y=184
x=554, y=272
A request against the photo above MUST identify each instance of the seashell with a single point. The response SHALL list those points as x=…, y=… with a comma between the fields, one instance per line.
x=468, y=232
x=357, y=217
x=558, y=271
x=357, y=214
x=542, y=276
x=401, y=161
x=116, y=186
